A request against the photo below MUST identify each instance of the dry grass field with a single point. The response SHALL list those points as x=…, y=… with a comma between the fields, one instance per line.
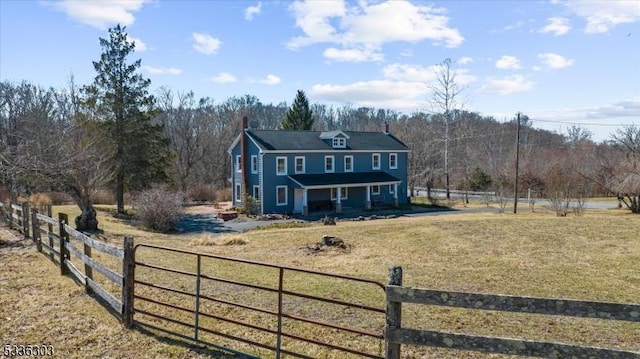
x=591, y=257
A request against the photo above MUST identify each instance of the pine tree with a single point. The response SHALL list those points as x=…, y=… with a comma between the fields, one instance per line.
x=123, y=101
x=298, y=116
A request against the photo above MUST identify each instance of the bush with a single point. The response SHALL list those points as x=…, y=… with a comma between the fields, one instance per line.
x=40, y=201
x=103, y=196
x=202, y=193
x=60, y=198
x=224, y=195
x=159, y=209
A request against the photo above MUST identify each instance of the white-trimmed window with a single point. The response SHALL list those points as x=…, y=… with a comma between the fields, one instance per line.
x=375, y=161
x=375, y=189
x=348, y=163
x=391, y=187
x=256, y=193
x=254, y=164
x=339, y=142
x=281, y=195
x=281, y=166
x=238, y=192
x=299, y=160
x=238, y=163
x=393, y=161
x=329, y=164
x=343, y=193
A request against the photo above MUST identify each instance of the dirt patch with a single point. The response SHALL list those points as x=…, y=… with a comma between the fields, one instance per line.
x=327, y=245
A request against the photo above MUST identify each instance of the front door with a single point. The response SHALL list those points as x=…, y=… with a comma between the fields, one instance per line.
x=297, y=200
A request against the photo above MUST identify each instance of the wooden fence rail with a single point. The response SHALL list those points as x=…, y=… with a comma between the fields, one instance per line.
x=58, y=246
x=395, y=335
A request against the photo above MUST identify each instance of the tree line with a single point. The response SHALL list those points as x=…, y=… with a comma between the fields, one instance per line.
x=113, y=133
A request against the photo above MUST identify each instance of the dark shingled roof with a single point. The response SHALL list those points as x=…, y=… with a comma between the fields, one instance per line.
x=310, y=140
x=343, y=178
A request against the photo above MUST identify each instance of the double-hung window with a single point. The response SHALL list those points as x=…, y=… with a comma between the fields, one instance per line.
x=329, y=164
x=348, y=163
x=375, y=161
x=299, y=164
x=393, y=161
x=281, y=166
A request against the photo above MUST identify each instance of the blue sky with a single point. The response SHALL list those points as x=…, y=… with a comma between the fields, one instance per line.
x=559, y=62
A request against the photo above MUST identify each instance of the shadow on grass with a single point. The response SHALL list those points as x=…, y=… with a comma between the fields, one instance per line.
x=203, y=348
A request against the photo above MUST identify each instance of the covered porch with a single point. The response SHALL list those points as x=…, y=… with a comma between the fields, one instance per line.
x=335, y=191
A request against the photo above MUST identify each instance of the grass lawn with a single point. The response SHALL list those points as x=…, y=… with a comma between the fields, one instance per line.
x=592, y=257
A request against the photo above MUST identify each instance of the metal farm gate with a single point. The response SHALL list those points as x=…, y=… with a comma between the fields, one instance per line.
x=243, y=306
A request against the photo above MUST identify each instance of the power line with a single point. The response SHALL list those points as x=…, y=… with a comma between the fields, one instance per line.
x=581, y=123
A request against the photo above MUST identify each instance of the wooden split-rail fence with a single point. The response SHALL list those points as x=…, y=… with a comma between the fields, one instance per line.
x=68, y=248
x=56, y=240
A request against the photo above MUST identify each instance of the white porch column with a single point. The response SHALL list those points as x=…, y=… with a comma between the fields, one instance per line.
x=367, y=203
x=305, y=206
x=338, y=200
x=395, y=195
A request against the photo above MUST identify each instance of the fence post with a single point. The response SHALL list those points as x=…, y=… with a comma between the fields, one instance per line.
x=394, y=315
x=88, y=270
x=64, y=238
x=50, y=230
x=128, y=274
x=35, y=229
x=10, y=215
x=25, y=219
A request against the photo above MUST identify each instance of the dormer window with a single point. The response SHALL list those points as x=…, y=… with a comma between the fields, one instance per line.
x=335, y=139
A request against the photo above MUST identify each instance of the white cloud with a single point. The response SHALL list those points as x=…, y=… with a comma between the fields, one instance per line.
x=506, y=85
x=353, y=55
x=140, y=46
x=100, y=14
x=617, y=113
x=224, y=78
x=405, y=72
x=162, y=70
x=427, y=74
x=507, y=62
x=252, y=11
x=465, y=60
x=602, y=16
x=557, y=26
x=205, y=44
x=369, y=26
x=271, y=80
x=555, y=61
x=399, y=95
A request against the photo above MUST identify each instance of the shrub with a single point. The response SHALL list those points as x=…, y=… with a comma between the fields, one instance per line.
x=103, y=196
x=202, y=193
x=40, y=201
x=223, y=195
x=159, y=209
x=60, y=198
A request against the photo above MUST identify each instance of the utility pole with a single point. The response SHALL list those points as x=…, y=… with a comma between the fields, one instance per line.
x=515, y=183
x=446, y=153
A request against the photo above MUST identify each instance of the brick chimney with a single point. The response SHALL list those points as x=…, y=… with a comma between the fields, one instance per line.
x=385, y=128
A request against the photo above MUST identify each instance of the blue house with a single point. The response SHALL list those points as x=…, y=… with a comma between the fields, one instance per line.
x=301, y=172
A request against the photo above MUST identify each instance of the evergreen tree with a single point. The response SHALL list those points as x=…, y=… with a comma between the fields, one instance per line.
x=298, y=116
x=122, y=99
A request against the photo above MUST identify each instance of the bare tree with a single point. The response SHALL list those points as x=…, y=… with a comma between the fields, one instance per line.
x=188, y=128
x=627, y=182
x=55, y=145
x=445, y=100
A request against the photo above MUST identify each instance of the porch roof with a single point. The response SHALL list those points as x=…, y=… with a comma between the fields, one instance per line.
x=350, y=179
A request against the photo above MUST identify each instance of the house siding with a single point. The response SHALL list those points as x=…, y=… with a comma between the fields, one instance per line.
x=268, y=180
